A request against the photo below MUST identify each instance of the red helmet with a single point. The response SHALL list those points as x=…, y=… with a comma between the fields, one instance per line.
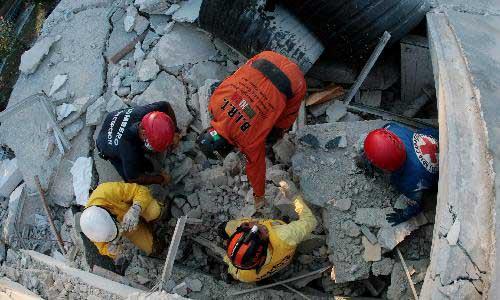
x=385, y=150
x=246, y=249
x=159, y=129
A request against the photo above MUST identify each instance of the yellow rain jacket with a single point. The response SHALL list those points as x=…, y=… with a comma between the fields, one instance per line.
x=117, y=198
x=283, y=240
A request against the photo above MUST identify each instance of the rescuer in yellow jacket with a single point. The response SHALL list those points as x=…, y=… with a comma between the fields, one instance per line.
x=257, y=248
x=116, y=210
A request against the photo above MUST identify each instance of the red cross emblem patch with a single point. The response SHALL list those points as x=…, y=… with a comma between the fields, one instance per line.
x=427, y=151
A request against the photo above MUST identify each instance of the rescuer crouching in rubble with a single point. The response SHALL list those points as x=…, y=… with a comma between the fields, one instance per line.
x=257, y=248
x=127, y=135
x=411, y=158
x=259, y=102
x=116, y=211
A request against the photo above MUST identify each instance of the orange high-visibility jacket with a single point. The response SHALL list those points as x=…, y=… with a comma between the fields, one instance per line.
x=264, y=93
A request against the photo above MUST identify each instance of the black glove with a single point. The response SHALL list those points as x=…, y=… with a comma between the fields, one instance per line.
x=221, y=231
x=402, y=215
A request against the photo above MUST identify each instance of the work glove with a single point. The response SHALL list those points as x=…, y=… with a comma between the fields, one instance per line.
x=402, y=215
x=131, y=218
x=289, y=190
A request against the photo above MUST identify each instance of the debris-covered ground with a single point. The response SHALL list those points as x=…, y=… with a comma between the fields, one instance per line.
x=80, y=64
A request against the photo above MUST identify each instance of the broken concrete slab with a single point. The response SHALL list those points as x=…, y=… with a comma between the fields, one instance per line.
x=372, y=217
x=80, y=59
x=141, y=24
x=382, y=267
x=130, y=18
x=399, y=288
x=183, y=45
x=182, y=170
x=73, y=129
x=31, y=59
x=200, y=72
x=390, y=236
x=64, y=110
x=167, y=88
x=148, y=70
x=119, y=37
x=150, y=40
x=10, y=176
x=336, y=111
x=215, y=176
x=188, y=12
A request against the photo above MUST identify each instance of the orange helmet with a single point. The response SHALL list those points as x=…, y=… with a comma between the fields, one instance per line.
x=385, y=150
x=159, y=129
x=246, y=249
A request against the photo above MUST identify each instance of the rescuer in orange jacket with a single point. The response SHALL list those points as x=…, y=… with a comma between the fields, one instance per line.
x=261, y=98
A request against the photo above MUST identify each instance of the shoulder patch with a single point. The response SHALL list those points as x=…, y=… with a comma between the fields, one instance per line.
x=427, y=151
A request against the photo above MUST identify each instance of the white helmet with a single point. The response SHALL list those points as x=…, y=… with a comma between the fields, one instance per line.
x=98, y=225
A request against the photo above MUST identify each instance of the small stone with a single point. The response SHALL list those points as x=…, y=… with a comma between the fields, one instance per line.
x=402, y=202
x=372, y=217
x=11, y=177
x=277, y=175
x=154, y=6
x=176, y=212
x=64, y=110
x=343, y=142
x=194, y=285
x=343, y=204
x=188, y=12
x=123, y=91
x=232, y=164
x=350, y=228
x=150, y=40
x=59, y=81
x=373, y=252
x=310, y=140
x=148, y=70
x=129, y=20
x=142, y=280
x=182, y=170
x=180, y=289
x=95, y=112
x=336, y=111
x=138, y=53
x=186, y=209
x=216, y=176
x=138, y=87
x=61, y=95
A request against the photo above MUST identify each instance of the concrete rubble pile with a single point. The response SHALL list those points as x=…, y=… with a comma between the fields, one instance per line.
x=174, y=61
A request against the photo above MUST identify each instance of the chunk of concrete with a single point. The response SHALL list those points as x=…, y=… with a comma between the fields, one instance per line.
x=150, y=40
x=95, y=112
x=154, y=6
x=194, y=285
x=138, y=87
x=138, y=53
x=232, y=164
x=59, y=81
x=168, y=88
x=115, y=103
x=31, y=59
x=373, y=252
x=183, y=45
x=204, y=94
x=284, y=150
x=64, y=110
x=15, y=206
x=180, y=171
x=368, y=234
x=158, y=22
x=10, y=176
x=172, y=9
x=350, y=228
x=73, y=129
x=141, y=24
x=215, y=176
x=343, y=204
x=336, y=111
x=148, y=70
x=82, y=179
x=371, y=98
x=188, y=12
x=129, y=20
x=390, y=236
x=181, y=289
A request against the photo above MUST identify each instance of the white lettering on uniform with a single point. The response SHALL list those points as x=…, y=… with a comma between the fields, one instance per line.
x=121, y=130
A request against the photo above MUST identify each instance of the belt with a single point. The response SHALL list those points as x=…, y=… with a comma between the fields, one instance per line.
x=275, y=75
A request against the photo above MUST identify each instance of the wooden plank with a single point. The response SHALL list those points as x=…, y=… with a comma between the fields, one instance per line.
x=172, y=252
x=330, y=93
